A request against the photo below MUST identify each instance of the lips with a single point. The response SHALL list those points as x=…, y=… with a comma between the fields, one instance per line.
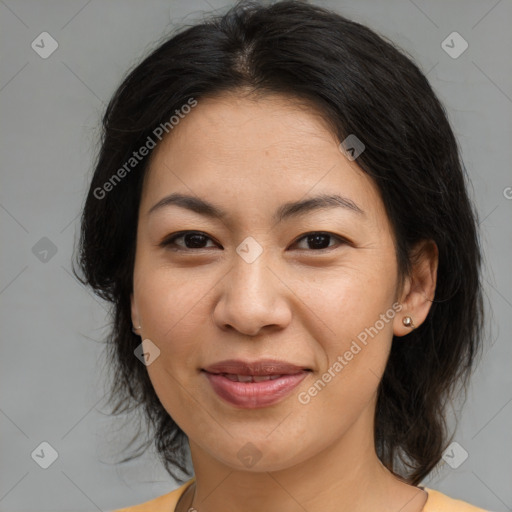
x=249, y=378
x=253, y=385
x=263, y=367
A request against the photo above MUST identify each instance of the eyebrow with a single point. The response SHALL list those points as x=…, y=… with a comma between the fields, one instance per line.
x=285, y=211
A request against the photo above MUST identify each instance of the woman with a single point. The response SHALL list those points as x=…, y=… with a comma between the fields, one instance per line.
x=279, y=216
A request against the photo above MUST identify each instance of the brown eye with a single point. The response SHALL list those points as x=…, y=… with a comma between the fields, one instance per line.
x=191, y=240
x=318, y=241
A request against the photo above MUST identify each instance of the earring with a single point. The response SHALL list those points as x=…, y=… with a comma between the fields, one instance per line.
x=134, y=329
x=407, y=321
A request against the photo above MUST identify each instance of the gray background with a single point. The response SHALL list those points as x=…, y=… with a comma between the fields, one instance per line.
x=52, y=378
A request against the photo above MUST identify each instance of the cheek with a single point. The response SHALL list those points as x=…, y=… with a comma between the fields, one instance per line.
x=172, y=313
x=170, y=302
x=354, y=328
x=348, y=300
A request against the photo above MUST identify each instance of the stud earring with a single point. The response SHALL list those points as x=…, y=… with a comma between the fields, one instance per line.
x=134, y=329
x=407, y=321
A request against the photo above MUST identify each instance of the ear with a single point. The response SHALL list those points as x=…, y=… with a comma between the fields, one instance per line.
x=419, y=287
x=135, y=312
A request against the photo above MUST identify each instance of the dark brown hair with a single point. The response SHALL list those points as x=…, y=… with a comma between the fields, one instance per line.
x=363, y=85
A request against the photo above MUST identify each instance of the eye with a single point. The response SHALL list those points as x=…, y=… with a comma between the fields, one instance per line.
x=316, y=240
x=194, y=239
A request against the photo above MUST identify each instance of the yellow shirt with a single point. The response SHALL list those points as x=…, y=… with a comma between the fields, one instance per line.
x=436, y=502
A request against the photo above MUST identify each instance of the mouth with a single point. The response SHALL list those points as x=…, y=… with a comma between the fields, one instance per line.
x=254, y=385
x=248, y=378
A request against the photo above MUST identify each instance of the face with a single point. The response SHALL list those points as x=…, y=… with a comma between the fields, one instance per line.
x=315, y=287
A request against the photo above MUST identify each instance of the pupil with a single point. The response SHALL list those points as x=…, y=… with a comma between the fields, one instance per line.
x=316, y=243
x=195, y=240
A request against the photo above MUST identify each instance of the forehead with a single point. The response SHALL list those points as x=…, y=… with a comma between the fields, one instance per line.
x=235, y=126
x=247, y=150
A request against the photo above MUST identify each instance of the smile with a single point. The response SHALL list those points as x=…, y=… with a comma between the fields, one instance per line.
x=254, y=391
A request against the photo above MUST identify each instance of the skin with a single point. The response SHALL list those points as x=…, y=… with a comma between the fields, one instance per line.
x=294, y=302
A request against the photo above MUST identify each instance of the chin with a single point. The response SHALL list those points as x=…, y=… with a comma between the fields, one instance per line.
x=258, y=455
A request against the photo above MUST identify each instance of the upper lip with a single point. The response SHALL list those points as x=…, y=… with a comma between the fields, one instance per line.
x=261, y=367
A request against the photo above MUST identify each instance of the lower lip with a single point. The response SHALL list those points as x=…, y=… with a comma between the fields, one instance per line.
x=252, y=395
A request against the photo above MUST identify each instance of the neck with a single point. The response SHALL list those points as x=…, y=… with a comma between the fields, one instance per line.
x=345, y=476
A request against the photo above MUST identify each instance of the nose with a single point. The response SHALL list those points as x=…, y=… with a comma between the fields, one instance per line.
x=253, y=298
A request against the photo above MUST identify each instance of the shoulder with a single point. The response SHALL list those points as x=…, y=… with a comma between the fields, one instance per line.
x=439, y=502
x=165, y=503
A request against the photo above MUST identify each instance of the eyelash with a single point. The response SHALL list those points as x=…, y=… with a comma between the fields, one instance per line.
x=169, y=241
